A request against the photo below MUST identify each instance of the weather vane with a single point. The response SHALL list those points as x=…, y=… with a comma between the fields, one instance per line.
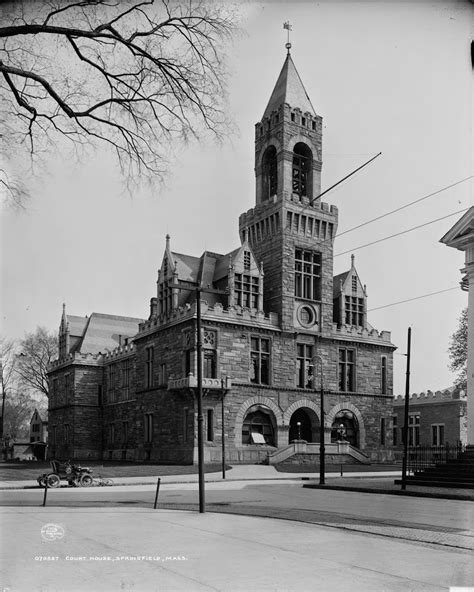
x=287, y=26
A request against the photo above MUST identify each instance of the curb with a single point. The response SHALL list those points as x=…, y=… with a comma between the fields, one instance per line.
x=450, y=496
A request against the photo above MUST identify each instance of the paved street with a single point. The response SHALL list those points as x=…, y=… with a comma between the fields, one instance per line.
x=327, y=540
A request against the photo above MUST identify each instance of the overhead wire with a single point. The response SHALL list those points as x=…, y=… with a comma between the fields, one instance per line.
x=399, y=233
x=405, y=206
x=414, y=298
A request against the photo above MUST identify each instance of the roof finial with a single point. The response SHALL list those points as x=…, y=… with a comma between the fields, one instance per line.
x=287, y=26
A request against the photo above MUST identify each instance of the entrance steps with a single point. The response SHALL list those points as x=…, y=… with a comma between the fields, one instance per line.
x=335, y=452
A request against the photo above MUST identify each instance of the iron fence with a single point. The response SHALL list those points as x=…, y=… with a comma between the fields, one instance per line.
x=423, y=457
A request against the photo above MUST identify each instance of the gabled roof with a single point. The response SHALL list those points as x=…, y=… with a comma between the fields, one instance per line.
x=105, y=332
x=289, y=89
x=187, y=266
x=76, y=325
x=337, y=280
x=462, y=233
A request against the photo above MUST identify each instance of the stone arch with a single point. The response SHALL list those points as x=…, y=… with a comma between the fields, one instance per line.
x=257, y=400
x=350, y=407
x=297, y=405
x=309, y=416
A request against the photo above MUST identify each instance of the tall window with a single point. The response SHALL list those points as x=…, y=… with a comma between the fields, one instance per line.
x=382, y=431
x=414, y=430
x=210, y=425
x=124, y=433
x=307, y=274
x=165, y=296
x=270, y=175
x=162, y=375
x=67, y=386
x=383, y=370
x=304, y=362
x=209, y=366
x=111, y=433
x=148, y=431
x=150, y=359
x=111, y=394
x=301, y=169
x=395, y=430
x=437, y=434
x=260, y=360
x=346, y=370
x=126, y=378
x=66, y=433
x=246, y=290
x=354, y=311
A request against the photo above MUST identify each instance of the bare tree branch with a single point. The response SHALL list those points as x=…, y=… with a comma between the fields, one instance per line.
x=135, y=76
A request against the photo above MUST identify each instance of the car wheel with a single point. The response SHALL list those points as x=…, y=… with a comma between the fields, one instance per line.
x=53, y=480
x=86, y=481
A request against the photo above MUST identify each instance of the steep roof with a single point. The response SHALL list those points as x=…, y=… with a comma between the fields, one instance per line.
x=104, y=332
x=289, y=89
x=187, y=266
x=337, y=280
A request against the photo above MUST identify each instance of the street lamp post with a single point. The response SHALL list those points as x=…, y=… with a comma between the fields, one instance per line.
x=224, y=391
x=322, y=448
x=198, y=290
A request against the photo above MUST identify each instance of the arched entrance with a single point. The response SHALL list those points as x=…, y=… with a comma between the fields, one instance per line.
x=345, y=427
x=309, y=426
x=259, y=426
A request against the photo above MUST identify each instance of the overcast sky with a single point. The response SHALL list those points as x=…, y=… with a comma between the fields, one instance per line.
x=390, y=77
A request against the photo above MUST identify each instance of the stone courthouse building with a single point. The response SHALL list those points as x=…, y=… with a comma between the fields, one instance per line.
x=275, y=327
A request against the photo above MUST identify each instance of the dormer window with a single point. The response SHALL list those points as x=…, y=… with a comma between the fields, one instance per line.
x=246, y=290
x=354, y=283
x=354, y=311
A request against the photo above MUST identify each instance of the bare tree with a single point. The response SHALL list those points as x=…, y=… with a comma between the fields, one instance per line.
x=128, y=74
x=19, y=408
x=37, y=350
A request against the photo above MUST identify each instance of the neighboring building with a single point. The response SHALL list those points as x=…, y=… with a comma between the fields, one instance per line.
x=434, y=419
x=275, y=323
x=38, y=428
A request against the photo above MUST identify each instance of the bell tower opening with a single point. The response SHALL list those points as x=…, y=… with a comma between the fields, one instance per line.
x=270, y=173
x=301, y=170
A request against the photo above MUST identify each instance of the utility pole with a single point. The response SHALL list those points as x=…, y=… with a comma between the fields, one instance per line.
x=405, y=427
x=2, y=425
x=322, y=448
x=198, y=290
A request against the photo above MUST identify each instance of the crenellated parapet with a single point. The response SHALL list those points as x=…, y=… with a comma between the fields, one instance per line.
x=354, y=332
x=216, y=312
x=121, y=351
x=432, y=397
x=72, y=358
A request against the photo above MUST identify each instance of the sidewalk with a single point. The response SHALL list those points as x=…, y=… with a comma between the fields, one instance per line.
x=370, y=482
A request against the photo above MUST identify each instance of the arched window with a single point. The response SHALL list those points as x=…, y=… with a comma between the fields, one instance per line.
x=345, y=427
x=270, y=173
x=302, y=163
x=259, y=426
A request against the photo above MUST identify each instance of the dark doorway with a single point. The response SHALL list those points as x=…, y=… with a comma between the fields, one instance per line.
x=304, y=431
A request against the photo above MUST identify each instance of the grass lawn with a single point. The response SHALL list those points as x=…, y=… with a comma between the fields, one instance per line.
x=27, y=470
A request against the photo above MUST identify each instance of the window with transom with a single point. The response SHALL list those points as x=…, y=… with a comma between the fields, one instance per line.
x=304, y=365
x=246, y=290
x=260, y=360
x=307, y=274
x=346, y=370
